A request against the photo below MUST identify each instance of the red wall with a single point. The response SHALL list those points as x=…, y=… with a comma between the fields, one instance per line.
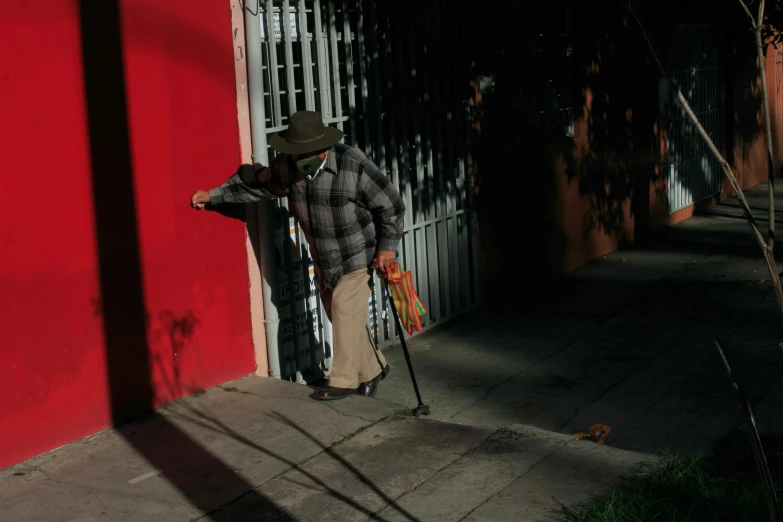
x=183, y=133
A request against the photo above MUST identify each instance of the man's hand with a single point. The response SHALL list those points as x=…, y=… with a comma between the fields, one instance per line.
x=199, y=199
x=386, y=259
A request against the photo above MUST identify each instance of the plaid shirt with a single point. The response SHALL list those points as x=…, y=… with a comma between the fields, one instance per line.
x=347, y=211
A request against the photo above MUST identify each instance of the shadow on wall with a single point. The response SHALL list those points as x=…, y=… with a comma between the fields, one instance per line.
x=573, y=139
x=745, y=132
x=563, y=138
x=298, y=357
x=615, y=152
x=181, y=460
x=300, y=353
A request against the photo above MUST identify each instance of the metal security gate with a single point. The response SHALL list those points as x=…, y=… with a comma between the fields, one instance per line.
x=694, y=173
x=393, y=77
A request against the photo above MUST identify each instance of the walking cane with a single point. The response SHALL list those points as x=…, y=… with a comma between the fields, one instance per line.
x=421, y=409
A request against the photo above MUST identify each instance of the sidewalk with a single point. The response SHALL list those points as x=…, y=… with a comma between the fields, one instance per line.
x=631, y=345
x=261, y=449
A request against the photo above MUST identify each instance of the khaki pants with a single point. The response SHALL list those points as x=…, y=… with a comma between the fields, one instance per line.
x=356, y=359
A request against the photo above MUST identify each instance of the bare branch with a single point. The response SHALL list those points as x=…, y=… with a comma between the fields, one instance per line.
x=755, y=439
x=705, y=136
x=761, y=16
x=745, y=7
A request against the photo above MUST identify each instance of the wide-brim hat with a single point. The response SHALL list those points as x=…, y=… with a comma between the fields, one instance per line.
x=306, y=132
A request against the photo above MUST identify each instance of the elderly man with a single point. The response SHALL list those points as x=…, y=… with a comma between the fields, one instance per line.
x=350, y=215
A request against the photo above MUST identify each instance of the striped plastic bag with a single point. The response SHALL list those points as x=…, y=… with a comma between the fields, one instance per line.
x=406, y=301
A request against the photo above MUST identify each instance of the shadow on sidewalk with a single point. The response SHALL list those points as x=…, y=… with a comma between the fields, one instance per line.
x=196, y=473
x=256, y=507
x=626, y=340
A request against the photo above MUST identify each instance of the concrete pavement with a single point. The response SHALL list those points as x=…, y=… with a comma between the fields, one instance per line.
x=628, y=345
x=261, y=449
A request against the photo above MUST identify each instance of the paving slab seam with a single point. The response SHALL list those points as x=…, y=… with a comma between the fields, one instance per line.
x=565, y=347
x=629, y=312
x=288, y=397
x=676, y=271
x=673, y=389
x=435, y=329
x=489, y=390
x=403, y=411
x=647, y=362
x=531, y=468
x=195, y=398
x=393, y=502
x=115, y=492
x=296, y=466
x=201, y=420
x=735, y=284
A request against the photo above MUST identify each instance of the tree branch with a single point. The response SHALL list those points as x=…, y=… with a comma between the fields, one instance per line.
x=705, y=136
x=745, y=8
x=755, y=439
x=765, y=246
x=770, y=253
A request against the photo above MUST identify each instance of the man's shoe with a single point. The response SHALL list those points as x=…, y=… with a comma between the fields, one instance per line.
x=329, y=393
x=370, y=388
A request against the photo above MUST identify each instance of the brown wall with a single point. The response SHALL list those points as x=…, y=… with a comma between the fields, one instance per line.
x=749, y=161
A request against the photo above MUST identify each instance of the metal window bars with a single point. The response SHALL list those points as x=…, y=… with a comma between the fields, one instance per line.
x=694, y=174
x=393, y=76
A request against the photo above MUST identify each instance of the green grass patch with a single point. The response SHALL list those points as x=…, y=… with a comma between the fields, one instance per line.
x=686, y=489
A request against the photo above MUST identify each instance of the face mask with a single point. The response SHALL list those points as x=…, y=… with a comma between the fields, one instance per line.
x=309, y=166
